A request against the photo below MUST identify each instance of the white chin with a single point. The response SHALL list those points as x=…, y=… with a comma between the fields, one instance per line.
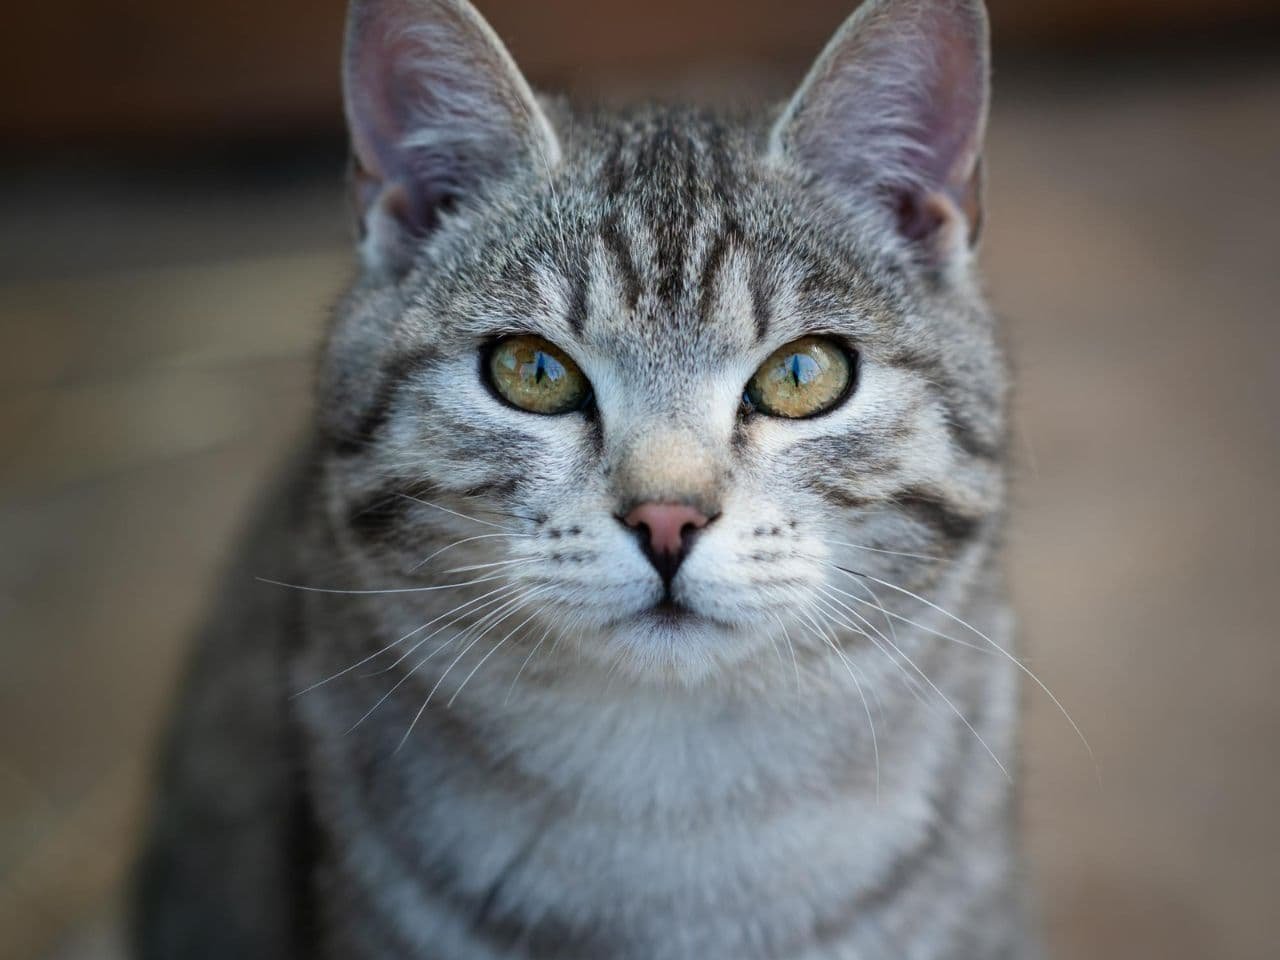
x=683, y=646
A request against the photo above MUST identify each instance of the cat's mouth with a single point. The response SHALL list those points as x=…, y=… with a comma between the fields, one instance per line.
x=672, y=613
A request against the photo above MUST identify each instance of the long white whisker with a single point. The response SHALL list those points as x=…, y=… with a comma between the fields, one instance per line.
x=907, y=620
x=395, y=643
x=856, y=629
x=396, y=686
x=908, y=681
x=848, y=666
x=541, y=640
x=891, y=553
x=503, y=594
x=428, y=503
x=519, y=603
x=936, y=690
x=472, y=568
x=795, y=663
x=457, y=543
x=832, y=614
x=954, y=709
x=495, y=647
x=421, y=663
x=1010, y=657
x=875, y=597
x=375, y=593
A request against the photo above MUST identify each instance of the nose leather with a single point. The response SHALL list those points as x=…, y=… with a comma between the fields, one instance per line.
x=666, y=530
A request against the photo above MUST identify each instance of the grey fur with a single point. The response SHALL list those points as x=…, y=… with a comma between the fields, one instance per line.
x=557, y=774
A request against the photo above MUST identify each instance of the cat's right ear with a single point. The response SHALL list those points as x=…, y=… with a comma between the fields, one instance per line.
x=436, y=108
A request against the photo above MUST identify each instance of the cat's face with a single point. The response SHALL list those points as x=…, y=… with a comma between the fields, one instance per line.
x=677, y=378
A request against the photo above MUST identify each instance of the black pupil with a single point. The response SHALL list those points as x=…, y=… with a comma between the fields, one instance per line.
x=545, y=367
x=802, y=369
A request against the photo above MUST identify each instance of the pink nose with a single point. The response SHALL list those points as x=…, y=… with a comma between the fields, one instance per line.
x=668, y=528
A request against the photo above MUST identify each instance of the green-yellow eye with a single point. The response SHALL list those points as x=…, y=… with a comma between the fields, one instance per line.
x=803, y=379
x=535, y=375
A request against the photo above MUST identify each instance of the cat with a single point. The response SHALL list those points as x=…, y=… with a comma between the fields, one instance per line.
x=638, y=591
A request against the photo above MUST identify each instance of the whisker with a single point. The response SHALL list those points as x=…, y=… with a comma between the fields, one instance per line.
x=472, y=568
x=954, y=709
x=504, y=593
x=511, y=514
x=457, y=543
x=396, y=686
x=848, y=666
x=1010, y=657
x=777, y=650
x=541, y=640
x=908, y=681
x=394, y=643
x=519, y=604
x=795, y=663
x=875, y=597
x=416, y=667
x=891, y=553
x=436, y=506
x=855, y=629
x=374, y=593
x=833, y=615
x=907, y=620
x=494, y=650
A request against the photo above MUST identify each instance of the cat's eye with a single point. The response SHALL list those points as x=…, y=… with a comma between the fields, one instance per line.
x=535, y=375
x=804, y=379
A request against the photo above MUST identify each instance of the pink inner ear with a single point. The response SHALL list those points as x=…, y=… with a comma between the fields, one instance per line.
x=956, y=116
x=919, y=215
x=895, y=109
x=398, y=86
x=374, y=116
x=436, y=108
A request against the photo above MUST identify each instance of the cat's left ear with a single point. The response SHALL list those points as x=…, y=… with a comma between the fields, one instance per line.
x=437, y=109
x=893, y=115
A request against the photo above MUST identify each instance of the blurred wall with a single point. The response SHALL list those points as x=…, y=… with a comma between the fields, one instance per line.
x=136, y=72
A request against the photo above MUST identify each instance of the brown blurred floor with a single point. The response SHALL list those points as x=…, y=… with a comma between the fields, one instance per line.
x=156, y=361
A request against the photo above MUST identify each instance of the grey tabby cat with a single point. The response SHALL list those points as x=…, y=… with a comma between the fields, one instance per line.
x=627, y=585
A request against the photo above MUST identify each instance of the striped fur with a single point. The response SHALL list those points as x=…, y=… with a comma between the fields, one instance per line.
x=509, y=755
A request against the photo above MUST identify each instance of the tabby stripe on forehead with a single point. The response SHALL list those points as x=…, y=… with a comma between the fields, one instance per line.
x=731, y=238
x=617, y=170
x=578, y=301
x=612, y=235
x=728, y=237
x=377, y=413
x=759, y=303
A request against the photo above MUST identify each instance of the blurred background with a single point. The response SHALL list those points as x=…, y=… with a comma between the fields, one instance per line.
x=173, y=231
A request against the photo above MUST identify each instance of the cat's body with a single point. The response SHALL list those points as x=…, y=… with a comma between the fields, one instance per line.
x=796, y=753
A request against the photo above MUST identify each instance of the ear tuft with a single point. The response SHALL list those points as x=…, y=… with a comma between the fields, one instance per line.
x=894, y=112
x=436, y=108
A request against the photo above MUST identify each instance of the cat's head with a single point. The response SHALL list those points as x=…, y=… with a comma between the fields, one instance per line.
x=700, y=382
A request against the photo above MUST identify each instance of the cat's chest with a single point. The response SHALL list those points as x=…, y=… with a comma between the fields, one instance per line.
x=608, y=827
